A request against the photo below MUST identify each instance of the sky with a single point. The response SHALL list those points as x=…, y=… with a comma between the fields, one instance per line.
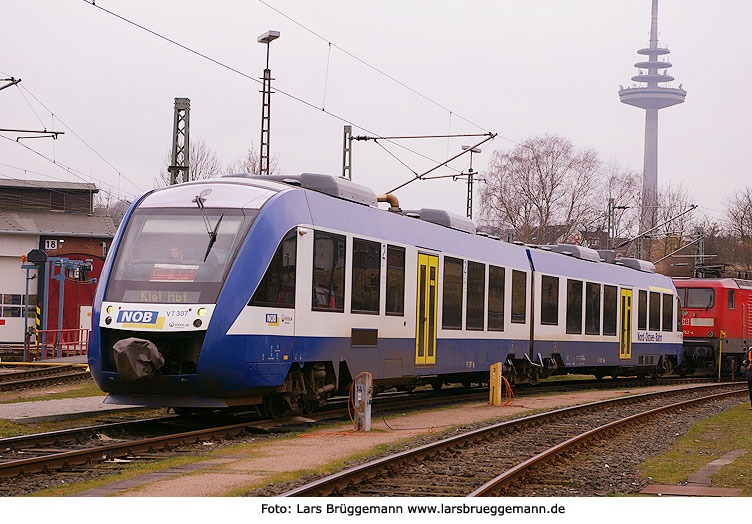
x=519, y=69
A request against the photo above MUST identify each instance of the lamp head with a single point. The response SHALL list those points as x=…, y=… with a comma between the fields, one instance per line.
x=268, y=37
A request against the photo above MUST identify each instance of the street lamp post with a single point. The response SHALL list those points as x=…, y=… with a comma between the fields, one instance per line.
x=266, y=105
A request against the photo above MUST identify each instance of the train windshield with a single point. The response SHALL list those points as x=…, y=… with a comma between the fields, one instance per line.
x=176, y=255
x=700, y=297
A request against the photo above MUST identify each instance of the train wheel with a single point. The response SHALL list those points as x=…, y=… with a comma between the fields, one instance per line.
x=272, y=407
x=466, y=383
x=437, y=383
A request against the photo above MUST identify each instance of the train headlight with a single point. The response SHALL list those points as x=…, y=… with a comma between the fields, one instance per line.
x=201, y=311
x=710, y=333
x=197, y=322
x=110, y=310
x=108, y=320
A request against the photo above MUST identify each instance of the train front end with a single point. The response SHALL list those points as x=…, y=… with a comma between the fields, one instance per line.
x=158, y=320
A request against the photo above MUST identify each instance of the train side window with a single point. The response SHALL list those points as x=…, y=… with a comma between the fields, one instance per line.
x=610, y=310
x=476, y=295
x=519, y=296
x=574, y=306
x=668, y=312
x=451, y=313
x=678, y=315
x=642, y=311
x=277, y=287
x=655, y=311
x=328, y=272
x=395, y=280
x=495, y=298
x=549, y=309
x=592, y=309
x=366, y=276
x=731, y=299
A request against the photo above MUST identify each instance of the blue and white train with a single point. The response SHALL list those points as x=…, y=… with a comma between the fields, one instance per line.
x=275, y=291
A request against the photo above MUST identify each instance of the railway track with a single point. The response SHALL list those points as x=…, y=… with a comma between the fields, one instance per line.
x=29, y=454
x=41, y=377
x=485, y=462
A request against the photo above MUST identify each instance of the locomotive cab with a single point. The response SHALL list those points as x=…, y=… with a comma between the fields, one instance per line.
x=715, y=324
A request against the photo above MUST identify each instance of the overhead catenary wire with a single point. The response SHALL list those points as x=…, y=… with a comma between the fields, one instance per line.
x=249, y=77
x=120, y=174
x=381, y=72
x=71, y=170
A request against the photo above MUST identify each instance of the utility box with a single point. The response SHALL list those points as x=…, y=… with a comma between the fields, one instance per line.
x=495, y=385
x=362, y=399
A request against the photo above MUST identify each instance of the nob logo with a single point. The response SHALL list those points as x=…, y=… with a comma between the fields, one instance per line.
x=272, y=319
x=140, y=317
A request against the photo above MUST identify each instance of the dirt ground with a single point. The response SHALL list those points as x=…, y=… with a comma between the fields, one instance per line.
x=326, y=446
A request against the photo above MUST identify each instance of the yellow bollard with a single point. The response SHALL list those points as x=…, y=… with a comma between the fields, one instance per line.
x=495, y=388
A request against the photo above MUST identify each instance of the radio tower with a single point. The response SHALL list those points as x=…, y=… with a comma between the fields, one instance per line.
x=651, y=97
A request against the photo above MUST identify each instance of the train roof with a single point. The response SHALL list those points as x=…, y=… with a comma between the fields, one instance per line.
x=457, y=239
x=733, y=283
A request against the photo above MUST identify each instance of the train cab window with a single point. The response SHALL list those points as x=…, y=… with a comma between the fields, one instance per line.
x=681, y=293
x=495, y=298
x=277, y=287
x=574, y=306
x=519, y=296
x=366, y=276
x=642, y=310
x=731, y=299
x=678, y=315
x=610, y=310
x=655, y=311
x=451, y=313
x=668, y=312
x=549, y=309
x=476, y=295
x=700, y=297
x=592, y=309
x=395, y=280
x=328, y=272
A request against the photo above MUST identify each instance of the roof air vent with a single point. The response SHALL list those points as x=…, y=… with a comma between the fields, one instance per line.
x=330, y=185
x=446, y=219
x=635, y=263
x=584, y=253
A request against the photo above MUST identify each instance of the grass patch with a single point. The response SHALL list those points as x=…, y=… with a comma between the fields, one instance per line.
x=11, y=429
x=130, y=471
x=90, y=389
x=706, y=441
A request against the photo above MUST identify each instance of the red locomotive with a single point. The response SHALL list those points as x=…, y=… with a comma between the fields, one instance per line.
x=716, y=323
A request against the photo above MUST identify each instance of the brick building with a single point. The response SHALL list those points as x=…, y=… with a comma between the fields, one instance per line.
x=59, y=218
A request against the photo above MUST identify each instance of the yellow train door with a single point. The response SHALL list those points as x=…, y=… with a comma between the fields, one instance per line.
x=425, y=330
x=625, y=338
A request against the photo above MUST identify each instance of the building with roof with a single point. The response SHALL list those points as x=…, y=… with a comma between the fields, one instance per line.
x=59, y=218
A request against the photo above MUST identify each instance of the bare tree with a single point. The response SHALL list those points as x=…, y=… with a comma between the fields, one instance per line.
x=625, y=187
x=107, y=204
x=202, y=163
x=250, y=164
x=673, y=200
x=543, y=190
x=739, y=223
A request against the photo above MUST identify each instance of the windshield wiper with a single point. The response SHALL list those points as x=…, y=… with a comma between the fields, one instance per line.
x=199, y=200
x=213, y=236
